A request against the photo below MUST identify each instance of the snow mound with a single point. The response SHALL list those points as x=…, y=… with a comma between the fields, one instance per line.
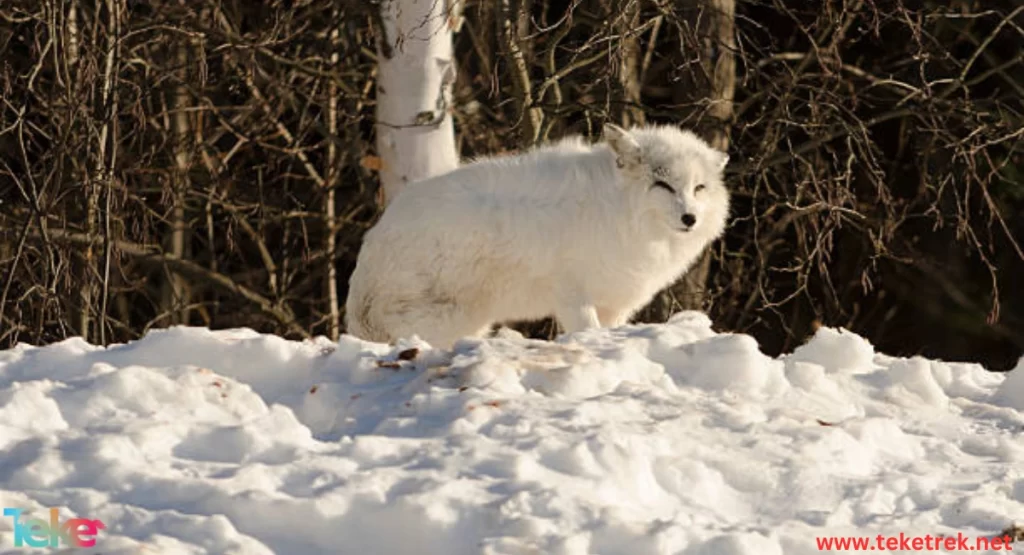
x=664, y=438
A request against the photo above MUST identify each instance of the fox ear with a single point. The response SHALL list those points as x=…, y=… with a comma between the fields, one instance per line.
x=723, y=159
x=627, y=150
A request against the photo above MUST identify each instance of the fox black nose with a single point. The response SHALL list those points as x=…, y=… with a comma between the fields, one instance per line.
x=689, y=220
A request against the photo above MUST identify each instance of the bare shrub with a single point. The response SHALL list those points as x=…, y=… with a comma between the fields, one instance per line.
x=213, y=162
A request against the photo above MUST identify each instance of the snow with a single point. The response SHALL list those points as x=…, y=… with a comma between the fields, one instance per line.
x=666, y=438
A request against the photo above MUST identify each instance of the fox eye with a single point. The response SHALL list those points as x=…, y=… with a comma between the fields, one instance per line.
x=665, y=186
x=699, y=188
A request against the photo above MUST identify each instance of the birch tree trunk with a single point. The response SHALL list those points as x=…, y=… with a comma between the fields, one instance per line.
x=330, y=182
x=415, y=133
x=714, y=24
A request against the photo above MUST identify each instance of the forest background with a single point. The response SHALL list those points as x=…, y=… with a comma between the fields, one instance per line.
x=216, y=162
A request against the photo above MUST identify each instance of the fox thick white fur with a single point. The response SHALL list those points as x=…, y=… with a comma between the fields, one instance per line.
x=585, y=233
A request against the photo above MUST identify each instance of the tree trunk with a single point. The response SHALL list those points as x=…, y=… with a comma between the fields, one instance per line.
x=513, y=21
x=628, y=71
x=713, y=21
x=415, y=133
x=175, y=299
x=719, y=48
x=330, y=182
x=102, y=174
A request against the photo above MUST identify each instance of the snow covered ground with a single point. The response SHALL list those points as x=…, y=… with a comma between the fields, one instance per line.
x=646, y=439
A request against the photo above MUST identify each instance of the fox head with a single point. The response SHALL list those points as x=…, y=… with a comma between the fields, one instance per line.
x=675, y=177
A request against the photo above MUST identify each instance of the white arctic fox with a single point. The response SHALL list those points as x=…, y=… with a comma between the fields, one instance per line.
x=585, y=233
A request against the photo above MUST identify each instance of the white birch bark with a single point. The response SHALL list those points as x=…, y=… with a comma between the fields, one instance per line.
x=415, y=134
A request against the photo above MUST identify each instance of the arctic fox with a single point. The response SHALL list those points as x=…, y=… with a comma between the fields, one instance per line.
x=585, y=233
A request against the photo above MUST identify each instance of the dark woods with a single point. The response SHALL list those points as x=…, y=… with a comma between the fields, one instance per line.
x=212, y=163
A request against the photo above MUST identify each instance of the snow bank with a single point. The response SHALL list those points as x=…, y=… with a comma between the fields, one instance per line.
x=644, y=439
